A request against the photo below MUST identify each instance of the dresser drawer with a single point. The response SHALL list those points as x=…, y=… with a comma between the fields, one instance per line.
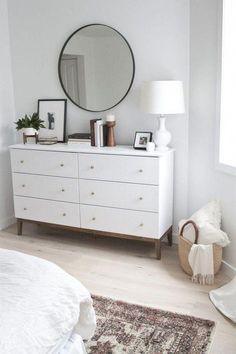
x=119, y=195
x=44, y=163
x=47, y=211
x=46, y=187
x=128, y=222
x=132, y=169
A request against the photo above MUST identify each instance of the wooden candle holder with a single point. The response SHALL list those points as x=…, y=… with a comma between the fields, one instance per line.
x=110, y=134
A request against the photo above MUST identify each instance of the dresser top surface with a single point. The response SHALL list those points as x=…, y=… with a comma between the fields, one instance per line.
x=86, y=148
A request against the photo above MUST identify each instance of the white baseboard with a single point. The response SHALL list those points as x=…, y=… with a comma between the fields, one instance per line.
x=227, y=268
x=4, y=223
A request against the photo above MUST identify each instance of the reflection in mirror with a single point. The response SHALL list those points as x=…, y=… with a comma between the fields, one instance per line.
x=96, y=67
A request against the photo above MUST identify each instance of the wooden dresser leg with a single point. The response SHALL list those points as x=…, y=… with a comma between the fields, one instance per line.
x=158, y=249
x=169, y=236
x=19, y=227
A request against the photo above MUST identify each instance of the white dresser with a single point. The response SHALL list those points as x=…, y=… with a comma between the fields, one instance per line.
x=115, y=191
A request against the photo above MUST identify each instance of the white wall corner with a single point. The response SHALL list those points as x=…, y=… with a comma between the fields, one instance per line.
x=175, y=237
x=4, y=223
x=229, y=270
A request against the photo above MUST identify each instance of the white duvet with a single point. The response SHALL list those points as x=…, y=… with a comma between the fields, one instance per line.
x=40, y=305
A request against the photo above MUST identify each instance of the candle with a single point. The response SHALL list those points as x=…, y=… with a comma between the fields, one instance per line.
x=110, y=118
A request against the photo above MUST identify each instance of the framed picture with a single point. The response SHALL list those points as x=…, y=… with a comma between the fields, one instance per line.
x=53, y=114
x=141, y=139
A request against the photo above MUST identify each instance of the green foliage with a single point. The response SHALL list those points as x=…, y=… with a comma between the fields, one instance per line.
x=30, y=122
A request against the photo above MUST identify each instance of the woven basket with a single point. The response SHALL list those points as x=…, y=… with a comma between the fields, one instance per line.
x=185, y=246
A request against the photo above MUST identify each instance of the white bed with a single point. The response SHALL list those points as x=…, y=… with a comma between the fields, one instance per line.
x=40, y=305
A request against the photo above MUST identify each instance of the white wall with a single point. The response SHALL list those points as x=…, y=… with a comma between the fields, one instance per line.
x=205, y=182
x=158, y=32
x=7, y=115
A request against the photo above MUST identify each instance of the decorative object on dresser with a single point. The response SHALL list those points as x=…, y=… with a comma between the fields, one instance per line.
x=162, y=97
x=150, y=147
x=26, y=136
x=30, y=126
x=47, y=137
x=103, y=134
x=53, y=113
x=119, y=191
x=93, y=131
x=102, y=81
x=111, y=122
x=141, y=139
x=98, y=128
x=79, y=138
x=99, y=132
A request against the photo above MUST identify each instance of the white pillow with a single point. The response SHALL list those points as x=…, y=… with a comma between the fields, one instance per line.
x=208, y=220
x=209, y=213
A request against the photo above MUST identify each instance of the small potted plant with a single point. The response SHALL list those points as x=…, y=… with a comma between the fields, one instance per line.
x=29, y=124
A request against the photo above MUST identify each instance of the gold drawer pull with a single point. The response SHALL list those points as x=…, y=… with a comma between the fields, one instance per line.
x=140, y=198
x=141, y=225
x=92, y=193
x=140, y=170
x=93, y=218
x=64, y=214
x=92, y=167
x=62, y=164
x=23, y=185
x=63, y=190
x=25, y=208
x=22, y=161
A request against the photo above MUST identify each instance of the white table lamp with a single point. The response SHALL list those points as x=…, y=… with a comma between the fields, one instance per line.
x=162, y=97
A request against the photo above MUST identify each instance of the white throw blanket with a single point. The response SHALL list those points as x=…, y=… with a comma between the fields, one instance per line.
x=40, y=305
x=224, y=299
x=201, y=261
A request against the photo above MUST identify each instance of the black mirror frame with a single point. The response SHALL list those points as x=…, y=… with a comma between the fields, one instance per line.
x=59, y=72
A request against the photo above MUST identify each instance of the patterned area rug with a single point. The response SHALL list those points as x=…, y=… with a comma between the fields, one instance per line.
x=134, y=329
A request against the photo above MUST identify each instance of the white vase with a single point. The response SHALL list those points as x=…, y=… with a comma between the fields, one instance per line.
x=29, y=131
x=162, y=137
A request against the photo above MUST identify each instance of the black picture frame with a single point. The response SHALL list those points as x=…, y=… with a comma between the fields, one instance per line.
x=141, y=139
x=58, y=109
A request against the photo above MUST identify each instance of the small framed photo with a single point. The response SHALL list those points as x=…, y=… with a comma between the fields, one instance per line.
x=141, y=139
x=53, y=114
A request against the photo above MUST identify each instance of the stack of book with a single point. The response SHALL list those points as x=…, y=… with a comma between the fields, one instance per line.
x=78, y=138
x=98, y=131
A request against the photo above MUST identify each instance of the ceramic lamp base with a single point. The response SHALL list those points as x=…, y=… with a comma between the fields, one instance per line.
x=162, y=137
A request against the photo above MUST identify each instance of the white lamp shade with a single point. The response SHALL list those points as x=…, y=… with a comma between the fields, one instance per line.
x=163, y=97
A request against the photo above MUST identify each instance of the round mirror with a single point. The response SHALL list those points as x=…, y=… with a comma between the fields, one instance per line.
x=96, y=67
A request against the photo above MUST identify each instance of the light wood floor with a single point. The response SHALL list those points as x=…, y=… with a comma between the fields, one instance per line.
x=126, y=270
